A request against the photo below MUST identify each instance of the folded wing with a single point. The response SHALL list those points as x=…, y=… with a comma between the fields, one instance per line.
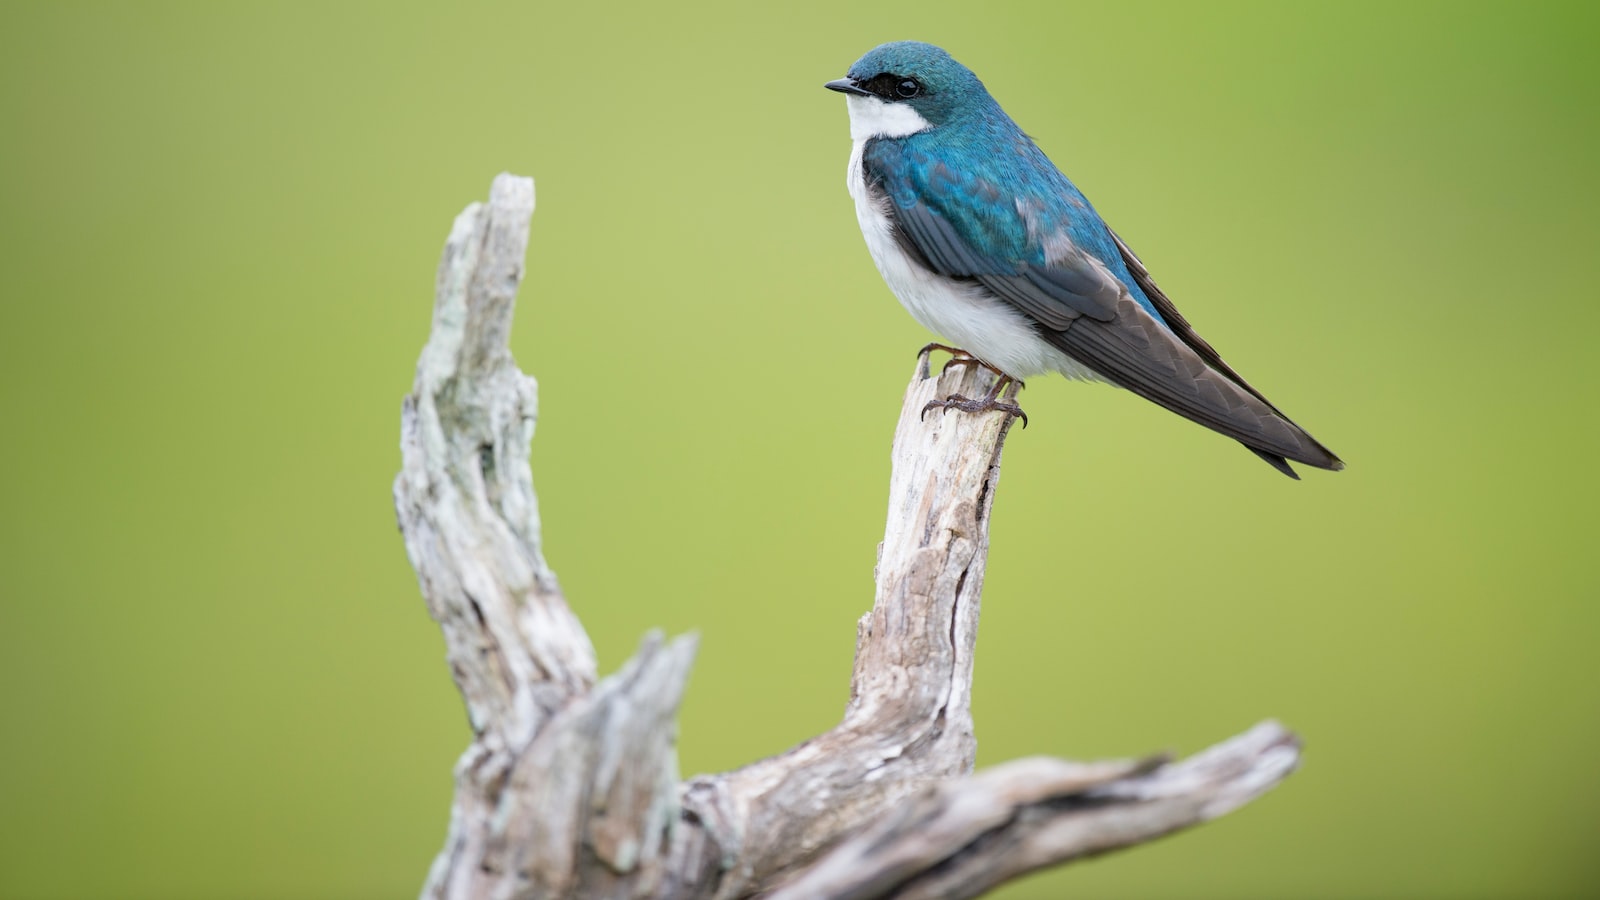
x=1026, y=255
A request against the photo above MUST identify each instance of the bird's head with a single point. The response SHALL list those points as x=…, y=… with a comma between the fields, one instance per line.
x=907, y=87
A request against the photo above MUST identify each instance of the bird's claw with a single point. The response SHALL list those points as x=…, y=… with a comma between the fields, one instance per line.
x=958, y=357
x=987, y=404
x=935, y=345
x=962, y=361
x=991, y=401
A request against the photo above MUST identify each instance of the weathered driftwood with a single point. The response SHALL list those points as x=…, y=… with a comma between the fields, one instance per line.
x=570, y=786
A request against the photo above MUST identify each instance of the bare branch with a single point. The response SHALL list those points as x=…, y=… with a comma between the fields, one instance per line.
x=963, y=837
x=909, y=720
x=570, y=786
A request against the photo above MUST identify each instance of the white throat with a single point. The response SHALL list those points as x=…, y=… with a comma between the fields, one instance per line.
x=873, y=118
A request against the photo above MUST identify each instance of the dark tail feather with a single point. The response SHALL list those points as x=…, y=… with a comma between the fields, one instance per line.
x=1275, y=461
x=1333, y=463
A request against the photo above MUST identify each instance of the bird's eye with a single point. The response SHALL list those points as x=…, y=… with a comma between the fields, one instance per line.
x=893, y=88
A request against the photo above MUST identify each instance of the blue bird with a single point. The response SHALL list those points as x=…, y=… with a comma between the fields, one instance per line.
x=986, y=243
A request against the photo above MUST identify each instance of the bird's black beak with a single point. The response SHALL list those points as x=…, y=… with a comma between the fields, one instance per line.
x=847, y=86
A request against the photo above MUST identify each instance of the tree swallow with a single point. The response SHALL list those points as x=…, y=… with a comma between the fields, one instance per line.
x=986, y=243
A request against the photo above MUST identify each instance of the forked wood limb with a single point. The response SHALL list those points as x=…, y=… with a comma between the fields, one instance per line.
x=570, y=785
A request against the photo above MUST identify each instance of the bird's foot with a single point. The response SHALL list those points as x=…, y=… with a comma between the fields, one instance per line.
x=958, y=357
x=993, y=400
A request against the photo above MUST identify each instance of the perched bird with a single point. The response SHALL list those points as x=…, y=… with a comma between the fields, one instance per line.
x=986, y=243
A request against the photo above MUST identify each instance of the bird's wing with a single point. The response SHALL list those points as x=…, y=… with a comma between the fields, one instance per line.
x=1034, y=261
x=957, y=224
x=1054, y=295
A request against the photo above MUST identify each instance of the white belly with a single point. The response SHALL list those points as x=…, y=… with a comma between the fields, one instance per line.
x=966, y=315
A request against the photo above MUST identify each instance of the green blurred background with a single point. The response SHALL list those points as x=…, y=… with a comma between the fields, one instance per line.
x=220, y=229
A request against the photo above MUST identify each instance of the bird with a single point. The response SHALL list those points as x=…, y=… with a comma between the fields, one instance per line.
x=987, y=244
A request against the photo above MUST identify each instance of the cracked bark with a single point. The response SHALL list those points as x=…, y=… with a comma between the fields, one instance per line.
x=570, y=787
